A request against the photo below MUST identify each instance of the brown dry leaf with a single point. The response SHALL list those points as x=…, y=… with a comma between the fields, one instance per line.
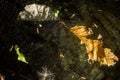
x=81, y=31
x=94, y=47
x=109, y=59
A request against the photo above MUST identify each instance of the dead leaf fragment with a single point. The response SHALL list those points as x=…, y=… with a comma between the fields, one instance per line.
x=94, y=47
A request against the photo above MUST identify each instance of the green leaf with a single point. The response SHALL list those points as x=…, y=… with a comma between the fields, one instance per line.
x=20, y=55
x=56, y=13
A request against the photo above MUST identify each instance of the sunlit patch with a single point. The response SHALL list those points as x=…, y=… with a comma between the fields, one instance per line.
x=46, y=74
x=94, y=47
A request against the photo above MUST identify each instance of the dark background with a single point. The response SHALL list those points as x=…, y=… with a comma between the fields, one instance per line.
x=43, y=49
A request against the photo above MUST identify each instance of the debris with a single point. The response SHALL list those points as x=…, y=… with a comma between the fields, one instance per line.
x=46, y=74
x=11, y=48
x=99, y=36
x=95, y=25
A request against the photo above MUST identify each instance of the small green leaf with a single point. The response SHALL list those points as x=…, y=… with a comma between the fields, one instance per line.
x=20, y=55
x=57, y=13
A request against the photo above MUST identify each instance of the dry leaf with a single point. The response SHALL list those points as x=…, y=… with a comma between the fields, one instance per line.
x=109, y=59
x=94, y=47
x=81, y=31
